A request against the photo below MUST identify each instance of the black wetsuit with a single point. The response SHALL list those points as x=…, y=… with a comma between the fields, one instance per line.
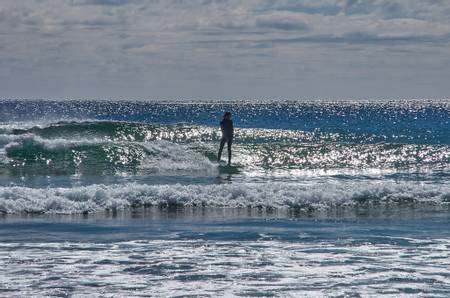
x=226, y=125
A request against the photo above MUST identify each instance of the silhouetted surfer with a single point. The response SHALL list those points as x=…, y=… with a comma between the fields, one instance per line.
x=226, y=125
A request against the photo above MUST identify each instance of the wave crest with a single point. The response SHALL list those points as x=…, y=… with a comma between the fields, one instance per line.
x=109, y=148
x=98, y=198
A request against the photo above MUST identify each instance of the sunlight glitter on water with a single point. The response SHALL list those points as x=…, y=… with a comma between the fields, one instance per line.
x=212, y=268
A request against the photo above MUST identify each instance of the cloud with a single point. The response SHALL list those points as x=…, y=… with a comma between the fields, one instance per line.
x=254, y=41
x=282, y=21
x=101, y=2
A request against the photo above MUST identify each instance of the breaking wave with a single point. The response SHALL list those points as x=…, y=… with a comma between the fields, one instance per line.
x=110, y=148
x=319, y=196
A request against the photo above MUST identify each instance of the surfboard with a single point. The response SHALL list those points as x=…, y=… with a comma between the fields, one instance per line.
x=226, y=169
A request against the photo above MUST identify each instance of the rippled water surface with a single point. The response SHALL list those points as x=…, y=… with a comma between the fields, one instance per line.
x=347, y=198
x=217, y=252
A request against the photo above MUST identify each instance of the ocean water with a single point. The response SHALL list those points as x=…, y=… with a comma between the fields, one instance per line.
x=324, y=198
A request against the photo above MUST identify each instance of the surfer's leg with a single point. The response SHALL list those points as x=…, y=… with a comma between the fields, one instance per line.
x=222, y=143
x=229, y=151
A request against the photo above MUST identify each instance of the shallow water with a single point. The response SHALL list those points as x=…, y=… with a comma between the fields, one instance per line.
x=216, y=252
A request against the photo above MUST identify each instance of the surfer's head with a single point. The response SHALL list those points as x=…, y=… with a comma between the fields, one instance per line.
x=227, y=115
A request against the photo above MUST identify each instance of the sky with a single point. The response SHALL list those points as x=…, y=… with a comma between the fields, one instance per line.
x=224, y=49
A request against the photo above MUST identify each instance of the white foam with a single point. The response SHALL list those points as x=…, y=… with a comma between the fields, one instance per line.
x=171, y=157
x=10, y=125
x=12, y=141
x=95, y=198
x=205, y=268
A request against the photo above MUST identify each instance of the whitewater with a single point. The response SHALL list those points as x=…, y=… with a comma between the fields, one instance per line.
x=324, y=198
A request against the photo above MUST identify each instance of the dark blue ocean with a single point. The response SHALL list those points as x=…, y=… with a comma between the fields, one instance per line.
x=323, y=198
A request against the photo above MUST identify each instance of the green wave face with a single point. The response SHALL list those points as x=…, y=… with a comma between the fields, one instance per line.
x=140, y=132
x=113, y=148
x=121, y=131
x=34, y=158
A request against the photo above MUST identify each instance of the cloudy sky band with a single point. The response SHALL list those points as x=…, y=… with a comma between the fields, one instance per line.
x=144, y=49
